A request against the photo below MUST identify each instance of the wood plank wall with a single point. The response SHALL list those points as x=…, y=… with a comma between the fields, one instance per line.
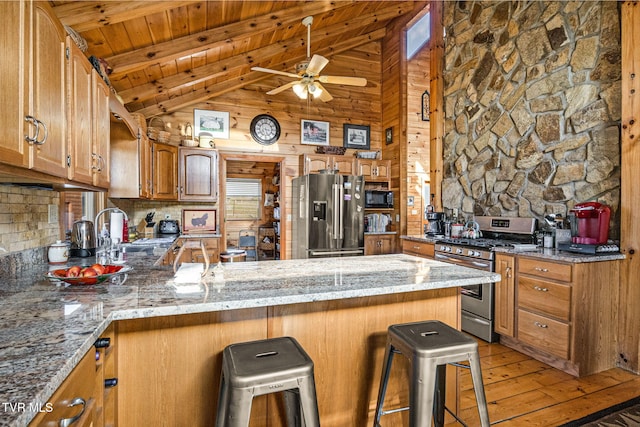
x=629, y=337
x=418, y=73
x=402, y=87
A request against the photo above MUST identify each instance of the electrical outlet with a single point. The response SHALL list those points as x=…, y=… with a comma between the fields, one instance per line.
x=53, y=214
x=167, y=216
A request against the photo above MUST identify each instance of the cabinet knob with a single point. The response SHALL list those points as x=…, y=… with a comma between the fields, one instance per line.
x=544, y=270
x=110, y=382
x=102, y=343
x=538, y=288
x=540, y=325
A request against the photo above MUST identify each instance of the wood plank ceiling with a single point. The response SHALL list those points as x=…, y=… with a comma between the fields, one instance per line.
x=167, y=55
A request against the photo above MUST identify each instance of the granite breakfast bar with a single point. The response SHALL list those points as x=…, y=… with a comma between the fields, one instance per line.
x=169, y=336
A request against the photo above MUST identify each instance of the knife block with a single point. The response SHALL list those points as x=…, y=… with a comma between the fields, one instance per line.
x=146, y=230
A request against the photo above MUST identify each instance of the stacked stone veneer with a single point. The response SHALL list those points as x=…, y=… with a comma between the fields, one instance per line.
x=532, y=106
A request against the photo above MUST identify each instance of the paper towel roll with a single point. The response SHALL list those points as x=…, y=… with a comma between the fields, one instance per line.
x=116, y=226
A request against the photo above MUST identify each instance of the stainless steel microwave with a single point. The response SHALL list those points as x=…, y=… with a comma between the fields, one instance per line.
x=378, y=199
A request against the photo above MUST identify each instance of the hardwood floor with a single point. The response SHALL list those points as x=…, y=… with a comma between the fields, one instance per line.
x=524, y=392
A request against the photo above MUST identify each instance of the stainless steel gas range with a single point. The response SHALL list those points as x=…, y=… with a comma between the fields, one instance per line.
x=477, y=301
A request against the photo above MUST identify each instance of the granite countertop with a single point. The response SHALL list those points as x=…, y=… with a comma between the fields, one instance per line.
x=46, y=327
x=543, y=253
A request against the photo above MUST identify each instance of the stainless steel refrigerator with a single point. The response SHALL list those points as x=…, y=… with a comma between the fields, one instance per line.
x=328, y=216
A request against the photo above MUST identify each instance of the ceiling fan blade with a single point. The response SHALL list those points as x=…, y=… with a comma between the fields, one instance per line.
x=325, y=96
x=281, y=88
x=316, y=65
x=282, y=73
x=343, y=80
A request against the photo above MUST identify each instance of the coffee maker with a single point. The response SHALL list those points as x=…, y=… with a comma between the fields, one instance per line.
x=590, y=223
x=589, y=229
x=435, y=227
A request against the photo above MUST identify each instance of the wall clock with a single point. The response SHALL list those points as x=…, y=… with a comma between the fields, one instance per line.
x=265, y=129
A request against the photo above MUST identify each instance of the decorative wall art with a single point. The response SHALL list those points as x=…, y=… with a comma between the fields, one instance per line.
x=356, y=136
x=199, y=220
x=388, y=134
x=314, y=132
x=215, y=123
x=425, y=105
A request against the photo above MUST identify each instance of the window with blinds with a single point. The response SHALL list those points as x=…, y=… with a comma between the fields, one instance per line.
x=243, y=199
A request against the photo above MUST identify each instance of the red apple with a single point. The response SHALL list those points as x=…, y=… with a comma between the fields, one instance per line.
x=99, y=268
x=88, y=272
x=74, y=271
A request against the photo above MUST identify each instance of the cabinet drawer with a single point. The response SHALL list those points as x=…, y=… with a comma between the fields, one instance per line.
x=548, y=298
x=548, y=335
x=81, y=383
x=422, y=249
x=545, y=269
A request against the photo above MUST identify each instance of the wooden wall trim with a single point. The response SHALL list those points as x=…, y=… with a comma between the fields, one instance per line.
x=436, y=112
x=629, y=338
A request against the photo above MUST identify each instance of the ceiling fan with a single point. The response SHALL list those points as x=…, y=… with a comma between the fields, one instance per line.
x=309, y=80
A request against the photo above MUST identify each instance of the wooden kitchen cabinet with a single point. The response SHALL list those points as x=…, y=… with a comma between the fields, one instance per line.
x=130, y=168
x=101, y=155
x=314, y=163
x=89, y=121
x=33, y=88
x=505, y=301
x=164, y=171
x=374, y=170
x=64, y=404
x=198, y=174
x=421, y=249
x=565, y=313
x=379, y=244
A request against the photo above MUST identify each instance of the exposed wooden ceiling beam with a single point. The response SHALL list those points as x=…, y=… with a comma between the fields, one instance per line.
x=221, y=88
x=89, y=15
x=294, y=53
x=216, y=37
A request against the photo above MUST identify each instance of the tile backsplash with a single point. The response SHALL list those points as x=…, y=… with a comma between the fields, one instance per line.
x=24, y=218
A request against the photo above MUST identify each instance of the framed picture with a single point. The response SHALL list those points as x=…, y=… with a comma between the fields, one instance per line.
x=388, y=135
x=425, y=105
x=199, y=221
x=215, y=123
x=314, y=132
x=356, y=136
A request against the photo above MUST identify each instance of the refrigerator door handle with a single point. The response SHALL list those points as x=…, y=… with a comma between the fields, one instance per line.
x=336, y=212
x=340, y=212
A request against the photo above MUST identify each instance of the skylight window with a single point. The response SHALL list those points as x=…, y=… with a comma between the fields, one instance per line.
x=418, y=35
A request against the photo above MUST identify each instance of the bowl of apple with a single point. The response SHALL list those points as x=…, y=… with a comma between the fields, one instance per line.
x=88, y=275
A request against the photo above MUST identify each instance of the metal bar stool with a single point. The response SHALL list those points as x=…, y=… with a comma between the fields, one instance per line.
x=429, y=346
x=267, y=366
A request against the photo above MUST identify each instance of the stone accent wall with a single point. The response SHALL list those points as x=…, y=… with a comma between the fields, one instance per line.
x=532, y=105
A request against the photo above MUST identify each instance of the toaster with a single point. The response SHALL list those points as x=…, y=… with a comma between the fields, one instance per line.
x=168, y=226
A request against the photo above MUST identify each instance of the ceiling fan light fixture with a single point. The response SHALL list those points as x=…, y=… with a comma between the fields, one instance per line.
x=300, y=90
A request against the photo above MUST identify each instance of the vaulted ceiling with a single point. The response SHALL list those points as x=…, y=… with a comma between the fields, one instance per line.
x=166, y=55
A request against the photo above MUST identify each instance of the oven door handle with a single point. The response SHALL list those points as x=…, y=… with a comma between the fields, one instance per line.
x=464, y=263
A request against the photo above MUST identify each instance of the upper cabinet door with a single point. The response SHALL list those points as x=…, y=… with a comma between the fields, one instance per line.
x=80, y=116
x=48, y=92
x=198, y=175
x=165, y=172
x=101, y=154
x=14, y=69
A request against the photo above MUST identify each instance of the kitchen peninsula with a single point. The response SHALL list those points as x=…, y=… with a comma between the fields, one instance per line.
x=169, y=337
